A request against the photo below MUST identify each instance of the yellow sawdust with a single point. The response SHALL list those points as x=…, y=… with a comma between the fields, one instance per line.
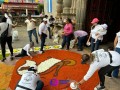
x=5, y=75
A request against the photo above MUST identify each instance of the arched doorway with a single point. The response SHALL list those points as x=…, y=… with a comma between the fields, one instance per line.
x=108, y=12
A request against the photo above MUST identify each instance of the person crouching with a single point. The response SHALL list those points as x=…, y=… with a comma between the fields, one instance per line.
x=30, y=80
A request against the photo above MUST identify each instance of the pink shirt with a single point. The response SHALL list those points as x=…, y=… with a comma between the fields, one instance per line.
x=68, y=29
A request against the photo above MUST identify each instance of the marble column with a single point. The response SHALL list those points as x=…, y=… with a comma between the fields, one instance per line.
x=80, y=13
x=59, y=7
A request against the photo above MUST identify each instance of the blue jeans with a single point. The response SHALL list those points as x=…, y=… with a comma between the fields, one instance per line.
x=95, y=46
x=43, y=37
x=66, y=40
x=34, y=33
x=116, y=71
x=81, y=41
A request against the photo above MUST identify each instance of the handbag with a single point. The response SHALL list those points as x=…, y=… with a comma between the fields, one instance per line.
x=4, y=34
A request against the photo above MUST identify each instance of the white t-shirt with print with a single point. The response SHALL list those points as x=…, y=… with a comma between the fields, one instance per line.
x=102, y=59
x=29, y=80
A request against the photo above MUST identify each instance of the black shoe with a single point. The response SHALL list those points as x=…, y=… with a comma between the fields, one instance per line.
x=100, y=88
x=37, y=42
x=45, y=45
x=67, y=49
x=11, y=58
x=109, y=76
x=61, y=48
x=3, y=59
x=79, y=49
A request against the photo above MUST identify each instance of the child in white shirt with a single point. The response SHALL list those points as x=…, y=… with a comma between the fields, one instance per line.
x=101, y=31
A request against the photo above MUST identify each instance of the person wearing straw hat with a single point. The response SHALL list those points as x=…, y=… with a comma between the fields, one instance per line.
x=100, y=60
x=30, y=80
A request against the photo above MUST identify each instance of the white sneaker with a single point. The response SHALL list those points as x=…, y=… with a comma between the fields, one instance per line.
x=40, y=52
x=99, y=88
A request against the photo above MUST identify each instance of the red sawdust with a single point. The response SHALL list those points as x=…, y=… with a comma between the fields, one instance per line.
x=75, y=72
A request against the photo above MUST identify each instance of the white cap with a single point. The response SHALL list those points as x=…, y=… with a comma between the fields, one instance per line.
x=73, y=85
x=104, y=26
x=44, y=19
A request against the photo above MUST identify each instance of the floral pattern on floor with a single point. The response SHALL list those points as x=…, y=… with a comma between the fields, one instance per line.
x=66, y=66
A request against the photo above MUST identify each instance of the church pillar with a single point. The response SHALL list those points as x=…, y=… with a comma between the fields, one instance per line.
x=59, y=7
x=80, y=13
x=66, y=8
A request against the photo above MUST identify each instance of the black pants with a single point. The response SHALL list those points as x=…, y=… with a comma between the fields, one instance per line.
x=103, y=71
x=40, y=85
x=22, y=54
x=43, y=37
x=8, y=40
x=50, y=36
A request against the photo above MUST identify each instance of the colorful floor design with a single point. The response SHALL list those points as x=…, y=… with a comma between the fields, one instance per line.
x=18, y=50
x=65, y=66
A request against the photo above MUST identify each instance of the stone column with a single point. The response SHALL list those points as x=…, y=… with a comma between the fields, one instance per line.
x=72, y=5
x=67, y=6
x=80, y=13
x=59, y=7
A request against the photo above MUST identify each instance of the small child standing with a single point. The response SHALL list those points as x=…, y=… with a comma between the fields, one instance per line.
x=56, y=37
x=102, y=31
x=25, y=50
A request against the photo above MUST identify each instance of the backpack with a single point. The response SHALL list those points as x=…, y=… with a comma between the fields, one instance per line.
x=4, y=34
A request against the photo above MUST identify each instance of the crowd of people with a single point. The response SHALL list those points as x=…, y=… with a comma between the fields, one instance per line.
x=106, y=62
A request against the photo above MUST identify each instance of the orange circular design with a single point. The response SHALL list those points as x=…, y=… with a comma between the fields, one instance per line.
x=71, y=69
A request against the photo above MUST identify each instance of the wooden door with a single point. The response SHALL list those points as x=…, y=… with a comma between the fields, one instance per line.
x=108, y=12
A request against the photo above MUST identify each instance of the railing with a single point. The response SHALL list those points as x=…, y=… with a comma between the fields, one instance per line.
x=21, y=19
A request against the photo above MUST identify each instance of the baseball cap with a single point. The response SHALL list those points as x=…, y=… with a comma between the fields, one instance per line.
x=95, y=20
